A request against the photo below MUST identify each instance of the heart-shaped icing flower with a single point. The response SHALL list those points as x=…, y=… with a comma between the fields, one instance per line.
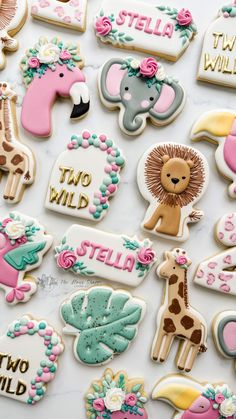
x=212, y=265
x=228, y=259
x=44, y=3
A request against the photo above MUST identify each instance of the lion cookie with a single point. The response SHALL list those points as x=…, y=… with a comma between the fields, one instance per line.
x=194, y=400
x=115, y=396
x=176, y=318
x=224, y=333
x=172, y=178
x=142, y=91
x=50, y=69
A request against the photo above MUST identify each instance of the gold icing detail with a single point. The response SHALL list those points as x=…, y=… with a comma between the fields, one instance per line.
x=82, y=177
x=179, y=395
x=217, y=36
x=211, y=63
x=228, y=42
x=218, y=124
x=67, y=199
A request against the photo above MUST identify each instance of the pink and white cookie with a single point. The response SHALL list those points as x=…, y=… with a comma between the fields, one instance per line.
x=224, y=333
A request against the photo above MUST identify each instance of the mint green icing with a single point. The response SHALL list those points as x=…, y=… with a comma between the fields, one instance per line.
x=24, y=255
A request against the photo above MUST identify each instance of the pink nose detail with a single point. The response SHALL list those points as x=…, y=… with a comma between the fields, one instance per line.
x=145, y=104
x=127, y=96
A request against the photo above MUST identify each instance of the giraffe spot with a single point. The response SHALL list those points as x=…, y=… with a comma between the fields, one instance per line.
x=19, y=171
x=187, y=322
x=7, y=147
x=17, y=159
x=169, y=326
x=181, y=290
x=3, y=160
x=0, y=125
x=175, y=307
x=196, y=336
x=173, y=279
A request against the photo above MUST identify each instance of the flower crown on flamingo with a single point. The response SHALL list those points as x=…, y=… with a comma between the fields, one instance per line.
x=114, y=395
x=17, y=229
x=223, y=398
x=47, y=54
x=229, y=10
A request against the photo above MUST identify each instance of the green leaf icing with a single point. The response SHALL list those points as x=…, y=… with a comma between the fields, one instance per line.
x=24, y=255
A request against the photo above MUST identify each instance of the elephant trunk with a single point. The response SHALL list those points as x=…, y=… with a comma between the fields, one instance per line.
x=131, y=122
x=80, y=96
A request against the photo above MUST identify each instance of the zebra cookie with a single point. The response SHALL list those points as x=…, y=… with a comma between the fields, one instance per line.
x=176, y=317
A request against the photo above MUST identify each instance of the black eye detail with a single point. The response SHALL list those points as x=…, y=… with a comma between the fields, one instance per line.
x=184, y=177
x=168, y=175
x=61, y=75
x=126, y=88
x=173, y=267
x=151, y=99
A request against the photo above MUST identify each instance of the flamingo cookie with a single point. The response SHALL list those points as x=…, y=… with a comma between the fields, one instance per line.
x=51, y=69
x=23, y=243
x=219, y=127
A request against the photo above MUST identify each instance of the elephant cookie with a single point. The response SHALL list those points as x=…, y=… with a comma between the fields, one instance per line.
x=217, y=63
x=115, y=396
x=172, y=178
x=160, y=30
x=51, y=69
x=13, y=14
x=194, y=400
x=85, y=177
x=219, y=127
x=105, y=322
x=15, y=158
x=69, y=14
x=29, y=353
x=23, y=243
x=218, y=272
x=224, y=333
x=141, y=90
x=176, y=318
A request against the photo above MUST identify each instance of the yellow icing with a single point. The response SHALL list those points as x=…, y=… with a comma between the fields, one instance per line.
x=181, y=396
x=217, y=124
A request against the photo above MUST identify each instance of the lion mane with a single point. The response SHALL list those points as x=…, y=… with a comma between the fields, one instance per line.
x=7, y=12
x=153, y=167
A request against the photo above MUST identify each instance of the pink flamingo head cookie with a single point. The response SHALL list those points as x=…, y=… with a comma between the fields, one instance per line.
x=50, y=69
x=23, y=243
x=219, y=127
x=115, y=396
x=193, y=400
x=218, y=273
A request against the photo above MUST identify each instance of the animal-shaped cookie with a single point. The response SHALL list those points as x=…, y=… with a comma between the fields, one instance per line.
x=51, y=68
x=13, y=14
x=116, y=396
x=172, y=178
x=219, y=127
x=194, y=400
x=142, y=91
x=224, y=333
x=16, y=159
x=218, y=272
x=176, y=318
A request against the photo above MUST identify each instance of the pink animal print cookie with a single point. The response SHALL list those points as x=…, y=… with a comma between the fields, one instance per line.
x=23, y=243
x=51, y=68
x=194, y=400
x=217, y=272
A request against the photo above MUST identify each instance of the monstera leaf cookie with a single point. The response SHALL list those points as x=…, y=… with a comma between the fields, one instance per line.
x=104, y=322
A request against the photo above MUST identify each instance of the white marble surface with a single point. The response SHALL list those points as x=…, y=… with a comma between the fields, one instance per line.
x=65, y=395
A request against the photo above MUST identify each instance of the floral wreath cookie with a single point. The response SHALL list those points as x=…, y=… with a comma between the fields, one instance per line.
x=51, y=68
x=85, y=177
x=23, y=243
x=162, y=31
x=29, y=354
x=217, y=63
x=115, y=396
x=141, y=90
x=217, y=272
x=89, y=252
x=192, y=400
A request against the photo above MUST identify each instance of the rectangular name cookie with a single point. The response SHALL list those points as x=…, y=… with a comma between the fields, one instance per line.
x=158, y=30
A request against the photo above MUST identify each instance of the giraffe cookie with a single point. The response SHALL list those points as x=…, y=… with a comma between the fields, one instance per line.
x=176, y=317
x=15, y=158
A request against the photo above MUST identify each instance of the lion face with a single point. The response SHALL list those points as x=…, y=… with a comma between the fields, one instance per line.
x=175, y=174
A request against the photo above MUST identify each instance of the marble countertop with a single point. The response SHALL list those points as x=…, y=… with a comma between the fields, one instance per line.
x=65, y=395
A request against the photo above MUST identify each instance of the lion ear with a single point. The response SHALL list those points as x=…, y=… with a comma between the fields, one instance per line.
x=165, y=158
x=190, y=164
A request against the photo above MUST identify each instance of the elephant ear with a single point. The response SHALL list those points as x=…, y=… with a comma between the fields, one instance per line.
x=111, y=77
x=169, y=103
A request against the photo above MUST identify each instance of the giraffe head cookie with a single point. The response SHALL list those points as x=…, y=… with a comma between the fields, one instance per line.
x=176, y=317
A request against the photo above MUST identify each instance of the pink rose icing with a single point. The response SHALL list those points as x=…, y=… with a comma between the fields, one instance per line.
x=184, y=17
x=99, y=405
x=66, y=259
x=65, y=55
x=219, y=398
x=146, y=256
x=130, y=399
x=103, y=26
x=181, y=260
x=6, y=221
x=148, y=67
x=33, y=62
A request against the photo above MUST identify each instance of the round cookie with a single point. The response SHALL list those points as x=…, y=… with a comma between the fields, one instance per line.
x=224, y=333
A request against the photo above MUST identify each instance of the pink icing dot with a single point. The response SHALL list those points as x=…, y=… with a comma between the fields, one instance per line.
x=85, y=144
x=30, y=325
x=103, y=200
x=86, y=135
x=48, y=332
x=70, y=146
x=108, y=169
x=233, y=238
x=17, y=333
x=38, y=380
x=97, y=194
x=221, y=235
x=109, y=150
x=46, y=342
x=56, y=350
x=103, y=138
x=73, y=142
x=115, y=168
x=113, y=153
x=226, y=14
x=92, y=209
x=32, y=392
x=52, y=358
x=46, y=369
x=111, y=188
x=103, y=147
x=108, y=193
x=24, y=329
x=46, y=377
x=41, y=332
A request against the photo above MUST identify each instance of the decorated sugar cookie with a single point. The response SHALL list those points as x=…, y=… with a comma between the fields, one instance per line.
x=159, y=30
x=194, y=400
x=23, y=243
x=116, y=396
x=104, y=321
x=15, y=158
x=89, y=252
x=51, y=68
x=218, y=272
x=69, y=13
x=172, y=178
x=85, y=177
x=218, y=63
x=29, y=353
x=219, y=127
x=176, y=317
x=142, y=91
x=13, y=14
x=224, y=332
